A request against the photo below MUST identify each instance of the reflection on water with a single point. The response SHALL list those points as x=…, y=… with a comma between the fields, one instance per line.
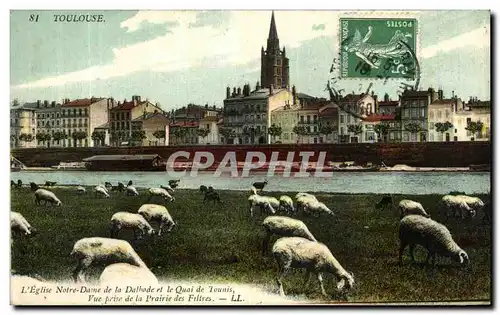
x=339, y=182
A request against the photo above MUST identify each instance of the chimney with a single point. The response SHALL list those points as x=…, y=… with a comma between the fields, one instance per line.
x=234, y=91
x=38, y=103
x=294, y=94
x=239, y=91
x=270, y=89
x=440, y=94
x=46, y=103
x=135, y=101
x=257, y=86
x=53, y=103
x=386, y=97
x=228, y=92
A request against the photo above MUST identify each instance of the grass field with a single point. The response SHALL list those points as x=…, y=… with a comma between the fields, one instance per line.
x=220, y=243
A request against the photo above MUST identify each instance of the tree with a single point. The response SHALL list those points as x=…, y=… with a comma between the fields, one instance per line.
x=59, y=135
x=26, y=137
x=355, y=129
x=159, y=134
x=44, y=137
x=413, y=127
x=99, y=137
x=274, y=131
x=138, y=136
x=203, y=133
x=443, y=127
x=381, y=130
x=78, y=135
x=227, y=133
x=300, y=131
x=474, y=127
x=326, y=130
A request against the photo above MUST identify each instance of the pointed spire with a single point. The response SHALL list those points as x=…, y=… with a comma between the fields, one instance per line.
x=273, y=33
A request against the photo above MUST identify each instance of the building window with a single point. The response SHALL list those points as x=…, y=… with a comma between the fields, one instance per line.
x=431, y=115
x=431, y=137
x=438, y=114
x=405, y=137
x=342, y=130
x=447, y=114
x=315, y=118
x=341, y=119
x=414, y=113
x=406, y=113
x=302, y=119
x=308, y=119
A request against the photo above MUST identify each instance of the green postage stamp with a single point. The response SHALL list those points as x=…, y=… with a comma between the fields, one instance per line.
x=378, y=48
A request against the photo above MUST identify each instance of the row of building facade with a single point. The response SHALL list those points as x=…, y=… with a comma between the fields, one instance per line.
x=271, y=111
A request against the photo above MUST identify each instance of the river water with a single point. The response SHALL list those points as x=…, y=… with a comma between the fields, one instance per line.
x=339, y=182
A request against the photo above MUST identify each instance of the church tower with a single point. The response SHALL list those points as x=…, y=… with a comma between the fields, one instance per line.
x=274, y=68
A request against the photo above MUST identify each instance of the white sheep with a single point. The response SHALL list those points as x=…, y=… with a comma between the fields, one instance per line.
x=434, y=236
x=81, y=189
x=407, y=207
x=461, y=205
x=158, y=213
x=132, y=191
x=101, y=190
x=46, y=196
x=303, y=194
x=261, y=202
x=134, y=221
x=302, y=199
x=286, y=203
x=154, y=191
x=312, y=206
x=315, y=257
x=284, y=226
x=119, y=273
x=100, y=250
x=168, y=188
x=18, y=224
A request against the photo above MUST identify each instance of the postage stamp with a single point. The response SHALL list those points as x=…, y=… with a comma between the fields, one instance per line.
x=378, y=47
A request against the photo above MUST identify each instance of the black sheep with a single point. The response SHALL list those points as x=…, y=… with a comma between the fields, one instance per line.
x=260, y=185
x=212, y=195
x=384, y=202
x=203, y=189
x=33, y=186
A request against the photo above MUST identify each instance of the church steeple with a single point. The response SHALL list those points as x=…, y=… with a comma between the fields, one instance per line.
x=274, y=63
x=273, y=42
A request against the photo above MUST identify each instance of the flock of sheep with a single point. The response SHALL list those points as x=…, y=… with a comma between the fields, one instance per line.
x=295, y=248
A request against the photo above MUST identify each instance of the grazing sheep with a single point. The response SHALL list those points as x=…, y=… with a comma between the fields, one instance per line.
x=212, y=195
x=384, y=202
x=433, y=236
x=134, y=221
x=100, y=190
x=262, y=203
x=260, y=185
x=132, y=191
x=311, y=206
x=158, y=213
x=18, y=224
x=407, y=207
x=19, y=183
x=108, y=185
x=159, y=192
x=302, y=199
x=81, y=189
x=120, y=187
x=49, y=183
x=46, y=196
x=461, y=205
x=100, y=250
x=119, y=273
x=284, y=226
x=174, y=183
x=203, y=189
x=129, y=183
x=168, y=188
x=13, y=184
x=286, y=203
x=34, y=187
x=298, y=252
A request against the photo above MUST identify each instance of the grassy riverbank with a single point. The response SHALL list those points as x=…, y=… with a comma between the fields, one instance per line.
x=220, y=243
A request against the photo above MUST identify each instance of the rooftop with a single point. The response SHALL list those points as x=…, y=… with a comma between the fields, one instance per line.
x=120, y=157
x=149, y=116
x=443, y=102
x=256, y=94
x=210, y=118
x=185, y=124
x=83, y=102
x=388, y=103
x=104, y=126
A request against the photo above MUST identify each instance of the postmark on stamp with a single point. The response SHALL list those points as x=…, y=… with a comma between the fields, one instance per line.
x=378, y=48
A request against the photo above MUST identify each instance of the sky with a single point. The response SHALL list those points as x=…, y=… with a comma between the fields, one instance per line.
x=181, y=57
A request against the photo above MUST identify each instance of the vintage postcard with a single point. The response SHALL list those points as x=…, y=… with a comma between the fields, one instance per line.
x=248, y=158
